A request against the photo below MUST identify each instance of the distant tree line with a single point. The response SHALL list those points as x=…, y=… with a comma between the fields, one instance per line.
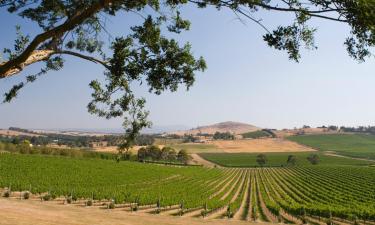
x=187, y=138
x=360, y=129
x=257, y=134
x=223, y=136
x=314, y=159
x=165, y=154
x=20, y=130
x=75, y=141
x=25, y=148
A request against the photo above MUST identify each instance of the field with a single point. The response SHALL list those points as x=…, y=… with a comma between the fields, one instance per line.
x=275, y=159
x=196, y=147
x=260, y=145
x=244, y=146
x=314, y=194
x=352, y=145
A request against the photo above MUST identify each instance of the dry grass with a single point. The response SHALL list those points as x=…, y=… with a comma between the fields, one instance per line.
x=290, y=132
x=16, y=133
x=26, y=212
x=229, y=126
x=232, y=146
x=260, y=145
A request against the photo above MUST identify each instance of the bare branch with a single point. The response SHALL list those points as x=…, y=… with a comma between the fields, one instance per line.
x=89, y=58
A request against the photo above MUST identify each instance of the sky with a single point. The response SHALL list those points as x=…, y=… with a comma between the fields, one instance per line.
x=246, y=81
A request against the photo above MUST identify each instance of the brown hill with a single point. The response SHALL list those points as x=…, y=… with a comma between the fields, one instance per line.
x=232, y=127
x=13, y=133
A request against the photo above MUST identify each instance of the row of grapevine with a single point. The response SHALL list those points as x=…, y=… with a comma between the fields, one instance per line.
x=312, y=194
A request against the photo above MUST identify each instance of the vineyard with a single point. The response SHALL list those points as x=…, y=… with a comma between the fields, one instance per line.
x=352, y=145
x=302, y=194
x=276, y=159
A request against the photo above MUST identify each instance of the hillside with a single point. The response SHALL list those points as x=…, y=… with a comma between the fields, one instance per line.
x=13, y=133
x=229, y=126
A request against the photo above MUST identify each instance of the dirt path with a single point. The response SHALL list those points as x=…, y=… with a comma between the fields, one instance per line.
x=240, y=211
x=26, y=212
x=201, y=161
x=348, y=157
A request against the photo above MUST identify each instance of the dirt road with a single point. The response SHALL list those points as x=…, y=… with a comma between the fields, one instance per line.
x=348, y=157
x=201, y=161
x=26, y=212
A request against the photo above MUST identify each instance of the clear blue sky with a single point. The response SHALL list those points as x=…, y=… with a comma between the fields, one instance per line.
x=245, y=81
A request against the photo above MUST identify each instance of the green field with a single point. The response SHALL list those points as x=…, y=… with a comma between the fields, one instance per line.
x=304, y=192
x=275, y=159
x=352, y=145
x=106, y=179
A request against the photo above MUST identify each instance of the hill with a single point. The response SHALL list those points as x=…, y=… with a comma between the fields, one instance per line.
x=14, y=133
x=229, y=126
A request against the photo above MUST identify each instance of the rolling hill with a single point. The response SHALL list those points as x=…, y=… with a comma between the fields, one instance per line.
x=229, y=126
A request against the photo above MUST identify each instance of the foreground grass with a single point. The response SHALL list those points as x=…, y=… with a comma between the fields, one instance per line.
x=275, y=159
x=352, y=145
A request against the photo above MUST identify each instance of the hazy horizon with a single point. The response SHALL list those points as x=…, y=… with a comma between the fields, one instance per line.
x=246, y=81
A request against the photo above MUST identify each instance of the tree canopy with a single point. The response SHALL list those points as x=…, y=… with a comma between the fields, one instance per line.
x=261, y=159
x=146, y=55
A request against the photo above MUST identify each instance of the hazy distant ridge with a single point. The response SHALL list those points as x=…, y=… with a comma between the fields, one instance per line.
x=229, y=126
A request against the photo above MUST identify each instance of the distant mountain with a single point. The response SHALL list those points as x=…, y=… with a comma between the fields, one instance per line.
x=157, y=129
x=105, y=131
x=229, y=126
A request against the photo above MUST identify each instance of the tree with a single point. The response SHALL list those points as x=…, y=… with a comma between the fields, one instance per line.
x=153, y=152
x=261, y=159
x=144, y=139
x=183, y=156
x=142, y=154
x=223, y=136
x=313, y=159
x=76, y=29
x=164, y=153
x=172, y=155
x=291, y=160
x=333, y=128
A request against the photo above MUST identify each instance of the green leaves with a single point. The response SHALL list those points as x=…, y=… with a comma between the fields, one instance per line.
x=20, y=44
x=290, y=38
x=159, y=61
x=179, y=24
x=12, y=93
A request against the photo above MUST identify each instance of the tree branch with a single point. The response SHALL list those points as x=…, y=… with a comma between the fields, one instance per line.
x=89, y=58
x=35, y=56
x=41, y=55
x=312, y=13
x=15, y=65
